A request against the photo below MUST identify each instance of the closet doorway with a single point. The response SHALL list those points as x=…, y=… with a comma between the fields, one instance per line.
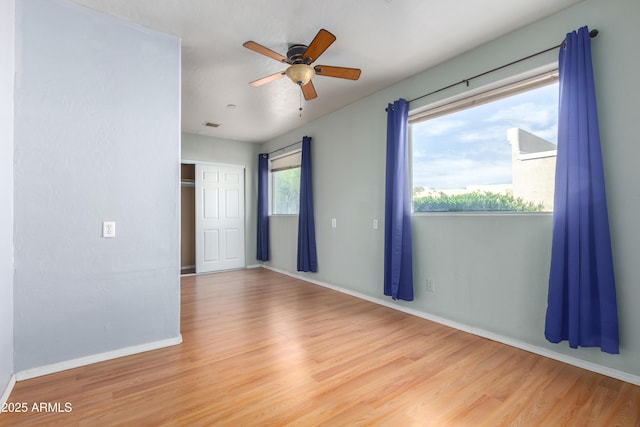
x=212, y=217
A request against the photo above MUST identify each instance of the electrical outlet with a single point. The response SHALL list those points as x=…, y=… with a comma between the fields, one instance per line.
x=109, y=229
x=431, y=285
x=334, y=223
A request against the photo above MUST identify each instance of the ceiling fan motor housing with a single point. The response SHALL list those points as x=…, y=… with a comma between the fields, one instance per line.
x=295, y=52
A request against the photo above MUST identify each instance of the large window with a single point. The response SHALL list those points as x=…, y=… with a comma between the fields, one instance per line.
x=285, y=183
x=492, y=152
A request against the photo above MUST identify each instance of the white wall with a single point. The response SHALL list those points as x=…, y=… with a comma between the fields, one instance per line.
x=97, y=137
x=7, y=41
x=217, y=150
x=490, y=271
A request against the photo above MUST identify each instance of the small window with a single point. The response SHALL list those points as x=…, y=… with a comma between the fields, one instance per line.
x=492, y=152
x=285, y=183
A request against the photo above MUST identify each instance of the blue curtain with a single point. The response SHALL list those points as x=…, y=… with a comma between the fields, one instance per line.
x=398, y=267
x=263, y=207
x=582, y=296
x=307, y=257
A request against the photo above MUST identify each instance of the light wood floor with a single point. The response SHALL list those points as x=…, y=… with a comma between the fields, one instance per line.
x=264, y=349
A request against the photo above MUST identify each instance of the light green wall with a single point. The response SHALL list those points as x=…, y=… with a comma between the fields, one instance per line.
x=490, y=271
x=216, y=150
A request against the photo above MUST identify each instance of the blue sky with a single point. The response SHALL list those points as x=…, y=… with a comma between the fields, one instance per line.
x=470, y=147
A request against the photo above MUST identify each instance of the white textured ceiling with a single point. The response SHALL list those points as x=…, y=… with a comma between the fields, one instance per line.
x=389, y=40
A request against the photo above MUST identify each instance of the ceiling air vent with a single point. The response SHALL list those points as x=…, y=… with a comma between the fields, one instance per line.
x=211, y=125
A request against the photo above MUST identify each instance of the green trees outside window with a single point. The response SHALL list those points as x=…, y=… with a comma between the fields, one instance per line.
x=474, y=201
x=286, y=191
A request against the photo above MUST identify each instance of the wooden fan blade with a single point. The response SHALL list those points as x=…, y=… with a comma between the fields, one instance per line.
x=341, y=72
x=267, y=79
x=265, y=51
x=309, y=91
x=320, y=43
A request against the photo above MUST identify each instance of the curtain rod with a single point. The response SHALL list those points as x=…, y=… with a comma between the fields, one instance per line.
x=285, y=147
x=593, y=33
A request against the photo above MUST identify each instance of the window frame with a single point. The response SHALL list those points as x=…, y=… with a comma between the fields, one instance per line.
x=499, y=89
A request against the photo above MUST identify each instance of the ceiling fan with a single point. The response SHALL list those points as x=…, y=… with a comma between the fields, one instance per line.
x=300, y=57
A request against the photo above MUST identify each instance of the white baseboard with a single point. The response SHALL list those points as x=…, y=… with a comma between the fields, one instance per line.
x=7, y=391
x=590, y=366
x=222, y=271
x=95, y=358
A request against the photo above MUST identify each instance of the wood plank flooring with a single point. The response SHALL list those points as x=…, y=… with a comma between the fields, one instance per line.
x=263, y=349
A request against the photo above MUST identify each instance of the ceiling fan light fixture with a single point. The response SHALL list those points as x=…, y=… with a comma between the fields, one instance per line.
x=300, y=74
x=300, y=57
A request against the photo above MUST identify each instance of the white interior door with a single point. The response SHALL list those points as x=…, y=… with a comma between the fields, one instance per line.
x=219, y=218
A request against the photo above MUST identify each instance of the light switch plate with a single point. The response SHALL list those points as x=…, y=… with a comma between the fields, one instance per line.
x=109, y=229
